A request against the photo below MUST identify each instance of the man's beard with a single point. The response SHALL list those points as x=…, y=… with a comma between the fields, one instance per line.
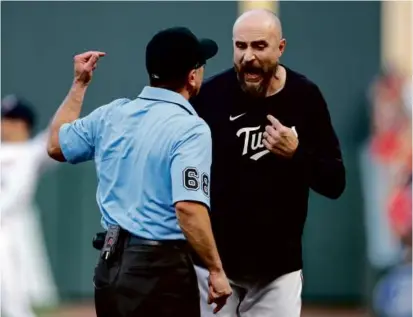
x=258, y=89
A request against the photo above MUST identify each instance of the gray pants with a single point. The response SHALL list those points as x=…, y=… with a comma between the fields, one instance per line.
x=279, y=298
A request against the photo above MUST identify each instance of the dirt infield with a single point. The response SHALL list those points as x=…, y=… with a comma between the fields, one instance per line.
x=87, y=310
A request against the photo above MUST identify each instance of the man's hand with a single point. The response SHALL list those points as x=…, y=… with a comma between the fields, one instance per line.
x=85, y=64
x=279, y=139
x=219, y=290
x=71, y=107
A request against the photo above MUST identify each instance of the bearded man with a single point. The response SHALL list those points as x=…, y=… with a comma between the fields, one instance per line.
x=273, y=140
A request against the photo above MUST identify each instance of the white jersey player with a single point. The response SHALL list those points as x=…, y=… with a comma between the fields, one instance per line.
x=26, y=278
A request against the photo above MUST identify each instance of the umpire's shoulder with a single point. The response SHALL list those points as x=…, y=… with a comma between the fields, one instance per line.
x=114, y=104
x=186, y=126
x=106, y=111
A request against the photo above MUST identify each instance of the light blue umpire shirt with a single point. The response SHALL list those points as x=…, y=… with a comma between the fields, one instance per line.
x=149, y=153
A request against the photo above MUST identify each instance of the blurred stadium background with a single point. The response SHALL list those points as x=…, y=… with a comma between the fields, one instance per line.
x=357, y=249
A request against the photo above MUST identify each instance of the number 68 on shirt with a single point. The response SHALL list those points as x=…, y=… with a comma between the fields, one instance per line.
x=193, y=181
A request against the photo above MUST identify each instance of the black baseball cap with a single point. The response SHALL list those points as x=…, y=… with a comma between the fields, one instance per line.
x=13, y=107
x=173, y=52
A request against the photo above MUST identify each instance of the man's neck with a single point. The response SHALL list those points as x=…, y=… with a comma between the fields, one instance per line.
x=185, y=94
x=277, y=82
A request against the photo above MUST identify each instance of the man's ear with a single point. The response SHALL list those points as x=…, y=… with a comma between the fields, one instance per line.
x=191, y=78
x=281, y=47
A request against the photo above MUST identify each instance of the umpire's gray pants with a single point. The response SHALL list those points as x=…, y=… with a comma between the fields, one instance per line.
x=280, y=298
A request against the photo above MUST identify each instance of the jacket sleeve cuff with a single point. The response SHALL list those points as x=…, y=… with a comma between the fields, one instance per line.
x=303, y=157
x=300, y=154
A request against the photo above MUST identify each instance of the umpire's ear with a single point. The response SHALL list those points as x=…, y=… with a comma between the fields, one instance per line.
x=192, y=78
x=195, y=78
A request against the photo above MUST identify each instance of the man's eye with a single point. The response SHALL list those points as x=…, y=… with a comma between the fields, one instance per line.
x=241, y=45
x=260, y=46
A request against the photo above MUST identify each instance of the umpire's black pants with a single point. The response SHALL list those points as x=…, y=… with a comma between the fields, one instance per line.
x=147, y=281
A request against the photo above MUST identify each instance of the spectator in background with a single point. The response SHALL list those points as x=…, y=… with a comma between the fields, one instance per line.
x=390, y=152
x=400, y=200
x=25, y=272
x=389, y=115
x=400, y=214
x=386, y=172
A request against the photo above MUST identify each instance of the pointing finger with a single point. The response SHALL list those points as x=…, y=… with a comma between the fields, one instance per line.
x=89, y=53
x=271, y=131
x=85, y=56
x=275, y=123
x=100, y=54
x=91, y=62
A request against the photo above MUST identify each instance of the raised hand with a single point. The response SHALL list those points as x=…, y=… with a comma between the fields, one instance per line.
x=85, y=64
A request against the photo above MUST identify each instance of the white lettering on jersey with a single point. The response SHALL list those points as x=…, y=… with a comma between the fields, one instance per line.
x=252, y=142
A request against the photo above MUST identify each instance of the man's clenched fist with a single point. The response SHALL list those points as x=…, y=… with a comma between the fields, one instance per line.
x=85, y=64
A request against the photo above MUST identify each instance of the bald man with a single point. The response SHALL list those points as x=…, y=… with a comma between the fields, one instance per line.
x=273, y=140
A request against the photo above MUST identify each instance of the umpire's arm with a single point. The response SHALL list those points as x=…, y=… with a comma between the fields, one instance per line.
x=68, y=112
x=71, y=139
x=191, y=157
x=323, y=161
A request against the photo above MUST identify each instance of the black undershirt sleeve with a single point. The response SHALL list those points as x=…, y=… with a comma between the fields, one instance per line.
x=322, y=160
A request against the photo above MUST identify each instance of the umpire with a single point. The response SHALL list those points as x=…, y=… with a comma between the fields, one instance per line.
x=153, y=158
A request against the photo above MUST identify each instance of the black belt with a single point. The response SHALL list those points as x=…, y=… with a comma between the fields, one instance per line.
x=134, y=240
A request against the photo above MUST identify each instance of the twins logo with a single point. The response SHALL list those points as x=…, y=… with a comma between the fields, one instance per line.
x=252, y=142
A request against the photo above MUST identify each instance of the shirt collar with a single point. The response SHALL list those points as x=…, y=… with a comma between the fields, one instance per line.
x=155, y=93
